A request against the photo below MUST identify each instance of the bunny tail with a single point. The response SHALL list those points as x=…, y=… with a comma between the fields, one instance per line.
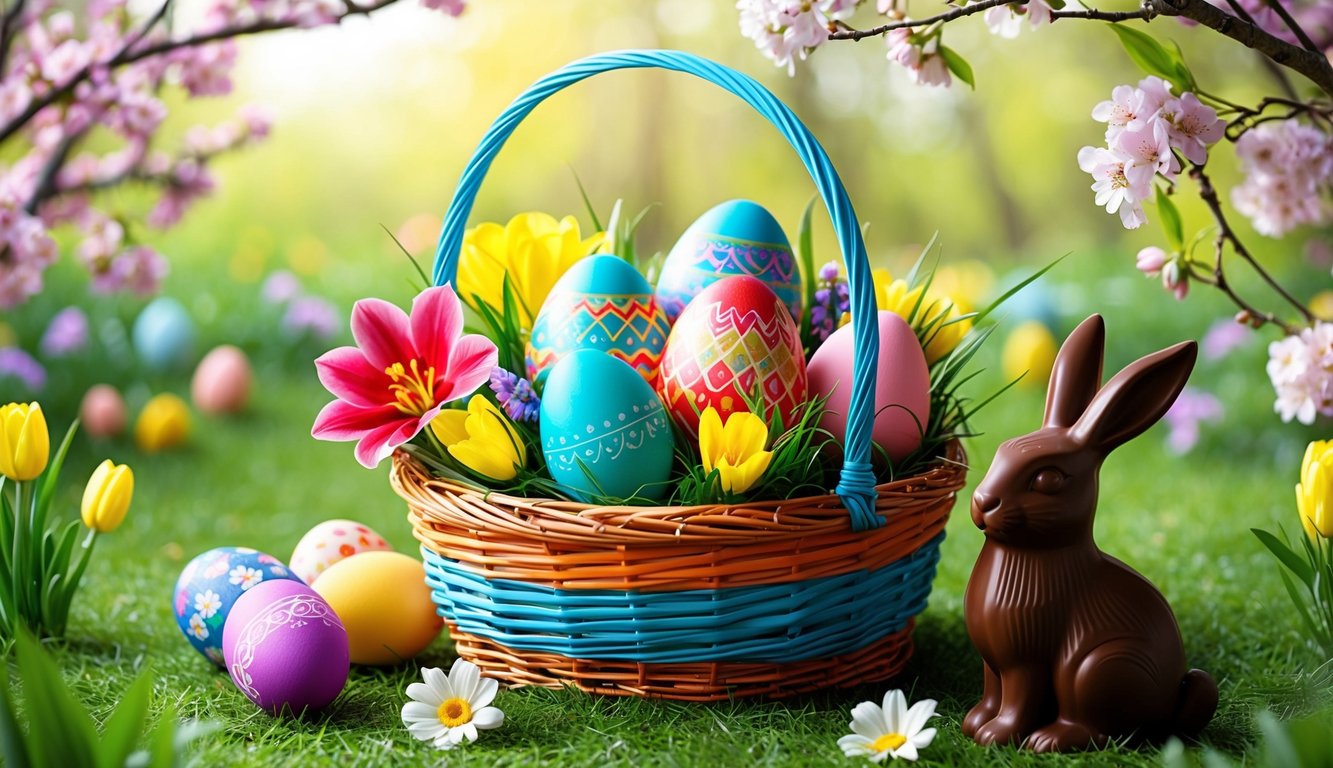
x=1198, y=702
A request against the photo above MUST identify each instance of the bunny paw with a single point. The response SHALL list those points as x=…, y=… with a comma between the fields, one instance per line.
x=1004, y=729
x=1062, y=736
x=979, y=716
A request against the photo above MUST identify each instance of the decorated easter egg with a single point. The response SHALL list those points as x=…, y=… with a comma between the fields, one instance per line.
x=733, y=341
x=221, y=382
x=286, y=648
x=902, y=385
x=329, y=542
x=383, y=601
x=602, y=303
x=737, y=237
x=209, y=587
x=603, y=430
x=163, y=334
x=102, y=412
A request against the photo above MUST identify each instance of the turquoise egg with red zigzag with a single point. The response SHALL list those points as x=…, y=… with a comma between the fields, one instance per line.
x=601, y=303
x=738, y=237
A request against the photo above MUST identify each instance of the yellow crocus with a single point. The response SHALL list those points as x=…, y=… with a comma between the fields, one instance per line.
x=533, y=249
x=107, y=496
x=736, y=450
x=164, y=423
x=481, y=439
x=25, y=444
x=1029, y=352
x=894, y=296
x=1314, y=493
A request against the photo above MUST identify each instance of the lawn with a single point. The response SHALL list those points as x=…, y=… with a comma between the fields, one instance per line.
x=261, y=481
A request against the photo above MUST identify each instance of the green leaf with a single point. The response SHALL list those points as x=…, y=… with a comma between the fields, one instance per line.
x=425, y=278
x=60, y=730
x=994, y=305
x=805, y=260
x=587, y=203
x=126, y=723
x=1154, y=58
x=1171, y=222
x=13, y=743
x=1298, y=600
x=1278, y=748
x=958, y=66
x=1300, y=568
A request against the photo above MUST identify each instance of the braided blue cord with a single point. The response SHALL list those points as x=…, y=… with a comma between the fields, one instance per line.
x=857, y=483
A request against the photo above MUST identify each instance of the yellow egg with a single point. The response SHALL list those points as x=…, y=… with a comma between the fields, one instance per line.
x=384, y=603
x=1030, y=349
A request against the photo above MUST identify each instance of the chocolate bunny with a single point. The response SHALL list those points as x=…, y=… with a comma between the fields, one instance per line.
x=1078, y=647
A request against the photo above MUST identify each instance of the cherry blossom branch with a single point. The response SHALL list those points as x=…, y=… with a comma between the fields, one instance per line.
x=1143, y=14
x=1295, y=28
x=7, y=31
x=846, y=32
x=1225, y=234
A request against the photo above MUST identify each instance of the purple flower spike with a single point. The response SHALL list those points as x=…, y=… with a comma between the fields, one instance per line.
x=515, y=395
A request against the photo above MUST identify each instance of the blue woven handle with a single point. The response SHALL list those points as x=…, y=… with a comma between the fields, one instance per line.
x=857, y=484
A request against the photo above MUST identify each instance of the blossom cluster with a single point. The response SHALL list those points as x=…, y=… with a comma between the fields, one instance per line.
x=1007, y=20
x=920, y=54
x=785, y=30
x=1315, y=17
x=1301, y=369
x=1146, y=126
x=1288, y=169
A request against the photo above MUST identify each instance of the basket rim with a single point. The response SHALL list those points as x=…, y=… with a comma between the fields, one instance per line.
x=948, y=469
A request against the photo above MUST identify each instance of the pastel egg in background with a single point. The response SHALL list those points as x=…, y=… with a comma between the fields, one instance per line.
x=602, y=303
x=604, y=432
x=384, y=603
x=222, y=381
x=738, y=237
x=102, y=412
x=164, y=334
x=734, y=338
x=332, y=541
x=286, y=648
x=902, y=386
x=209, y=587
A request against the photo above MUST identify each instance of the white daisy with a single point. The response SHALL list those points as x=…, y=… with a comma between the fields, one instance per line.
x=447, y=710
x=245, y=577
x=889, y=731
x=207, y=603
x=198, y=628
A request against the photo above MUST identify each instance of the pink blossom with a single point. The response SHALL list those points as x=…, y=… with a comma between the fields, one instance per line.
x=1150, y=260
x=258, y=120
x=15, y=96
x=1301, y=370
x=66, y=334
x=189, y=180
x=1112, y=185
x=451, y=7
x=311, y=315
x=1193, y=126
x=102, y=238
x=1191, y=408
x=1007, y=20
x=1131, y=107
x=1147, y=152
x=1176, y=279
x=1288, y=167
x=137, y=115
x=137, y=269
x=784, y=30
x=1223, y=337
x=64, y=62
x=404, y=369
x=922, y=60
x=313, y=13
x=206, y=70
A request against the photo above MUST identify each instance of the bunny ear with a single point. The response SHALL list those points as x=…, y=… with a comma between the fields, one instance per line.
x=1135, y=398
x=1077, y=373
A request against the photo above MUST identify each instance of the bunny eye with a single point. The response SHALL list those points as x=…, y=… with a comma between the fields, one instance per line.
x=1048, y=480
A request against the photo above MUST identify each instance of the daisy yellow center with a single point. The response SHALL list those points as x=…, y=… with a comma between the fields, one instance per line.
x=888, y=741
x=413, y=391
x=455, y=712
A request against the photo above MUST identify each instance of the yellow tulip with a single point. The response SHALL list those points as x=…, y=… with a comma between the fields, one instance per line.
x=164, y=423
x=25, y=445
x=736, y=450
x=894, y=296
x=533, y=250
x=1314, y=493
x=481, y=439
x=1029, y=352
x=107, y=496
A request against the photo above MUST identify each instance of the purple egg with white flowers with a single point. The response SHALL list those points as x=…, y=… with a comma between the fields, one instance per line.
x=286, y=648
x=211, y=584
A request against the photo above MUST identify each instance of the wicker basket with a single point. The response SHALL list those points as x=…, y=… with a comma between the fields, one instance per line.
x=694, y=603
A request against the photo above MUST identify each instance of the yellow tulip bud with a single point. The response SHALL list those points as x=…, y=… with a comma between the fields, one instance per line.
x=106, y=498
x=164, y=423
x=481, y=439
x=934, y=311
x=25, y=445
x=736, y=450
x=1314, y=493
x=1029, y=352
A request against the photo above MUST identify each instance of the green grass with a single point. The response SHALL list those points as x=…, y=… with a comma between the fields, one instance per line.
x=261, y=481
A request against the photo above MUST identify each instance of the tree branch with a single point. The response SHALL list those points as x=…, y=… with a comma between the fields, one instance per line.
x=1143, y=14
x=847, y=33
x=1295, y=28
x=7, y=31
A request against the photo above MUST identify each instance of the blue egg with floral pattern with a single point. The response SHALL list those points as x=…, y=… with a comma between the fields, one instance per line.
x=211, y=584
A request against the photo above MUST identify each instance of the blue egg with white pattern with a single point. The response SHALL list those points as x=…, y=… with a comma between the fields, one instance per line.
x=604, y=431
x=211, y=584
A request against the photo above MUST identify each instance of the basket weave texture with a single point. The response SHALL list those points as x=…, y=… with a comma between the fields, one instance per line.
x=697, y=603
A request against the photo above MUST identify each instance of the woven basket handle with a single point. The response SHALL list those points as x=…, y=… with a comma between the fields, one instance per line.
x=856, y=486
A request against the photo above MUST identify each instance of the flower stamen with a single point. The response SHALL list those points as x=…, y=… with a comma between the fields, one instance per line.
x=455, y=712
x=413, y=391
x=888, y=741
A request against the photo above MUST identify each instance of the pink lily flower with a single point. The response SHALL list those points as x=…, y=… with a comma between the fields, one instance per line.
x=403, y=370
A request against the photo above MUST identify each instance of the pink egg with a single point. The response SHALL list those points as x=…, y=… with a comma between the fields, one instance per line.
x=102, y=412
x=332, y=541
x=902, y=388
x=285, y=647
x=221, y=383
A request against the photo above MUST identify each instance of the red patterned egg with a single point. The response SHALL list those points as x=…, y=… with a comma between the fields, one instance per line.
x=732, y=339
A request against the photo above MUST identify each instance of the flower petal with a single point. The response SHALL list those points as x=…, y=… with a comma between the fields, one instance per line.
x=484, y=694
x=463, y=676
x=382, y=332
x=380, y=442
x=438, y=682
x=487, y=718
x=746, y=434
x=854, y=745
x=437, y=322
x=907, y=751
x=868, y=720
x=425, y=731
x=493, y=461
x=917, y=716
x=347, y=374
x=895, y=711
x=712, y=438
x=924, y=738
x=448, y=426
x=340, y=420
x=468, y=367
x=420, y=712
x=470, y=731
